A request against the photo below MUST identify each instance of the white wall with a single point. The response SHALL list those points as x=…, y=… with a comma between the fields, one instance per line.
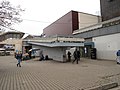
x=107, y=46
x=56, y=53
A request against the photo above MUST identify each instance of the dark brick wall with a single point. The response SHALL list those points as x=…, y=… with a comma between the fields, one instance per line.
x=75, y=22
x=110, y=9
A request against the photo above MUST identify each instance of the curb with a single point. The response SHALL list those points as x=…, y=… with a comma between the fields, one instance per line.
x=105, y=86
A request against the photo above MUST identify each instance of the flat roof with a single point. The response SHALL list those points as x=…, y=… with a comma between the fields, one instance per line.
x=58, y=44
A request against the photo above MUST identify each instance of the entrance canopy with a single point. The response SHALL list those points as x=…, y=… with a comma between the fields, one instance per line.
x=58, y=44
x=59, y=41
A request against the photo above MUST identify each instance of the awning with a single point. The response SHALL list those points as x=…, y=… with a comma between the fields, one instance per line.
x=34, y=49
x=58, y=44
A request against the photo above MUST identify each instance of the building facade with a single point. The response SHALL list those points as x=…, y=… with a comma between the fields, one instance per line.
x=70, y=22
x=104, y=35
x=54, y=47
x=105, y=39
x=11, y=39
x=9, y=34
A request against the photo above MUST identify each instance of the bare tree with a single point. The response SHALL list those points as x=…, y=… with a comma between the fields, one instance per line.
x=9, y=14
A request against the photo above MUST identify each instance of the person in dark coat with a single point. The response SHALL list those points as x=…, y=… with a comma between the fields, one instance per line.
x=76, y=56
x=118, y=57
x=30, y=52
x=19, y=58
x=69, y=56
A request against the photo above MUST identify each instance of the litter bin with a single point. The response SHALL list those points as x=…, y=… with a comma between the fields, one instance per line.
x=93, y=53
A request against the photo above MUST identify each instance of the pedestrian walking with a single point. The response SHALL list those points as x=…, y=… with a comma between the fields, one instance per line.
x=30, y=52
x=19, y=58
x=15, y=53
x=69, y=56
x=76, y=55
x=118, y=57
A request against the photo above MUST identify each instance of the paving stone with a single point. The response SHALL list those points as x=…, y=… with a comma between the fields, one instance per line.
x=52, y=75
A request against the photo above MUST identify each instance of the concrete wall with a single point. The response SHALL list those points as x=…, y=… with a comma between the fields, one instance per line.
x=99, y=32
x=56, y=53
x=107, y=46
x=86, y=20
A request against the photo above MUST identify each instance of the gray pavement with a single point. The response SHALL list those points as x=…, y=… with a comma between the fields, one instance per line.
x=52, y=75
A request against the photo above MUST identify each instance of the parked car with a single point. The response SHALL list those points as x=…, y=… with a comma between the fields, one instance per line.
x=8, y=46
x=3, y=52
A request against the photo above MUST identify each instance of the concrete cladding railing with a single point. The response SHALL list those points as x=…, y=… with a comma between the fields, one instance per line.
x=99, y=25
x=57, y=39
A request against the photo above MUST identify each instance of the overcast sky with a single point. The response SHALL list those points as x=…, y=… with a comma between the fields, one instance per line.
x=41, y=13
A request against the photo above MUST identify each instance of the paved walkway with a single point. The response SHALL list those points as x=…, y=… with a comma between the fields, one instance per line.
x=52, y=75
